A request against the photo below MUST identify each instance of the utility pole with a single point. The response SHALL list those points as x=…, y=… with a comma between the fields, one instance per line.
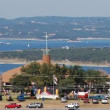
x=0, y=84
x=53, y=87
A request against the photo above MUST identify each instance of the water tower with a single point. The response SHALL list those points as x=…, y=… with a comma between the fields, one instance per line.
x=46, y=56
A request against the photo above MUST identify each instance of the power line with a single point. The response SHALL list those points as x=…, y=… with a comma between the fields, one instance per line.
x=72, y=76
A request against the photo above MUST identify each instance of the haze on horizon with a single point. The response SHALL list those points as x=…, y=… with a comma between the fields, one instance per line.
x=73, y=8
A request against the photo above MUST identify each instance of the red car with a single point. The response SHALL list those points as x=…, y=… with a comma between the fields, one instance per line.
x=86, y=100
x=13, y=105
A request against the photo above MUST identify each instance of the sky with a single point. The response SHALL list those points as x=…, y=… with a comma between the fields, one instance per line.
x=11, y=9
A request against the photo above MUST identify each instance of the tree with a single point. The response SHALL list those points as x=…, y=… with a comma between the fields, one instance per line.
x=95, y=77
x=42, y=75
x=20, y=81
x=63, y=70
x=32, y=69
x=77, y=73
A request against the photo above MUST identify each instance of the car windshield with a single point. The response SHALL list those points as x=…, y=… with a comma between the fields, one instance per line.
x=94, y=99
x=12, y=103
x=31, y=103
x=104, y=99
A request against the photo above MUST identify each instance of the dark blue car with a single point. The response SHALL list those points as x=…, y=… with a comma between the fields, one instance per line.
x=21, y=98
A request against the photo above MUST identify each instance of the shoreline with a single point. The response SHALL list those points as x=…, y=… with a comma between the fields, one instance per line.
x=72, y=63
x=33, y=39
x=13, y=61
x=94, y=38
x=77, y=39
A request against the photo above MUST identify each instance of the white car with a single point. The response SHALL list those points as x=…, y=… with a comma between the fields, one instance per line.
x=104, y=101
x=72, y=105
x=63, y=100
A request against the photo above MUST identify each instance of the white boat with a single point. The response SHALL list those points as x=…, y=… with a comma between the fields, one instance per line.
x=7, y=43
x=28, y=45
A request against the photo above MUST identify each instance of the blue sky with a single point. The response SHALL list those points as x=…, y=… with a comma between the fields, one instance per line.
x=29, y=8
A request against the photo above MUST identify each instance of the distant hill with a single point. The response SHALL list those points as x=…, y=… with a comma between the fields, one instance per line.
x=59, y=27
x=95, y=55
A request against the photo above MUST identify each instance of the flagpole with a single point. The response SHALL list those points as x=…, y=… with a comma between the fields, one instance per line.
x=53, y=87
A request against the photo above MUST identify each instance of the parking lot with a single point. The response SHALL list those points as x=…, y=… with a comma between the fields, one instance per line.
x=60, y=109
x=56, y=104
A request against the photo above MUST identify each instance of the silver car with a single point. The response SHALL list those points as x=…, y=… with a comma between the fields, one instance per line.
x=63, y=100
x=35, y=105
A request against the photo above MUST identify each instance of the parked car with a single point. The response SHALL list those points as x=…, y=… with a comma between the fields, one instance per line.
x=63, y=100
x=107, y=96
x=73, y=108
x=13, y=105
x=104, y=101
x=72, y=105
x=21, y=98
x=0, y=97
x=95, y=101
x=98, y=97
x=35, y=105
x=86, y=100
x=91, y=97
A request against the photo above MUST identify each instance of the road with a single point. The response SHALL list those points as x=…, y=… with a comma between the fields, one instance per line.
x=60, y=109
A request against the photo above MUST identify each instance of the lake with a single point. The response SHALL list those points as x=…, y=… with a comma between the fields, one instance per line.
x=10, y=45
x=6, y=67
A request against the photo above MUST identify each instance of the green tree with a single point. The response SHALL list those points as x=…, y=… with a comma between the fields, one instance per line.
x=77, y=73
x=20, y=81
x=32, y=69
x=95, y=77
x=47, y=72
x=63, y=70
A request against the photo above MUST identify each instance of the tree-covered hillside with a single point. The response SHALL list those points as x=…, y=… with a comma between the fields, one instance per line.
x=59, y=27
x=96, y=55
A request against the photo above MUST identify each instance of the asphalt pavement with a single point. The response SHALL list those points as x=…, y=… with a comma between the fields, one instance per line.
x=58, y=109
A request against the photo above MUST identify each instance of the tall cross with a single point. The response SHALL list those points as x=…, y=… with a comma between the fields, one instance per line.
x=46, y=36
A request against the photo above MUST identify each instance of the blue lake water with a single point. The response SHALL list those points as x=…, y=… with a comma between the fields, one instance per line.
x=6, y=67
x=106, y=69
x=10, y=45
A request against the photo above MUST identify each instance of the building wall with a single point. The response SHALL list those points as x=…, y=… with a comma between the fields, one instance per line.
x=46, y=59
